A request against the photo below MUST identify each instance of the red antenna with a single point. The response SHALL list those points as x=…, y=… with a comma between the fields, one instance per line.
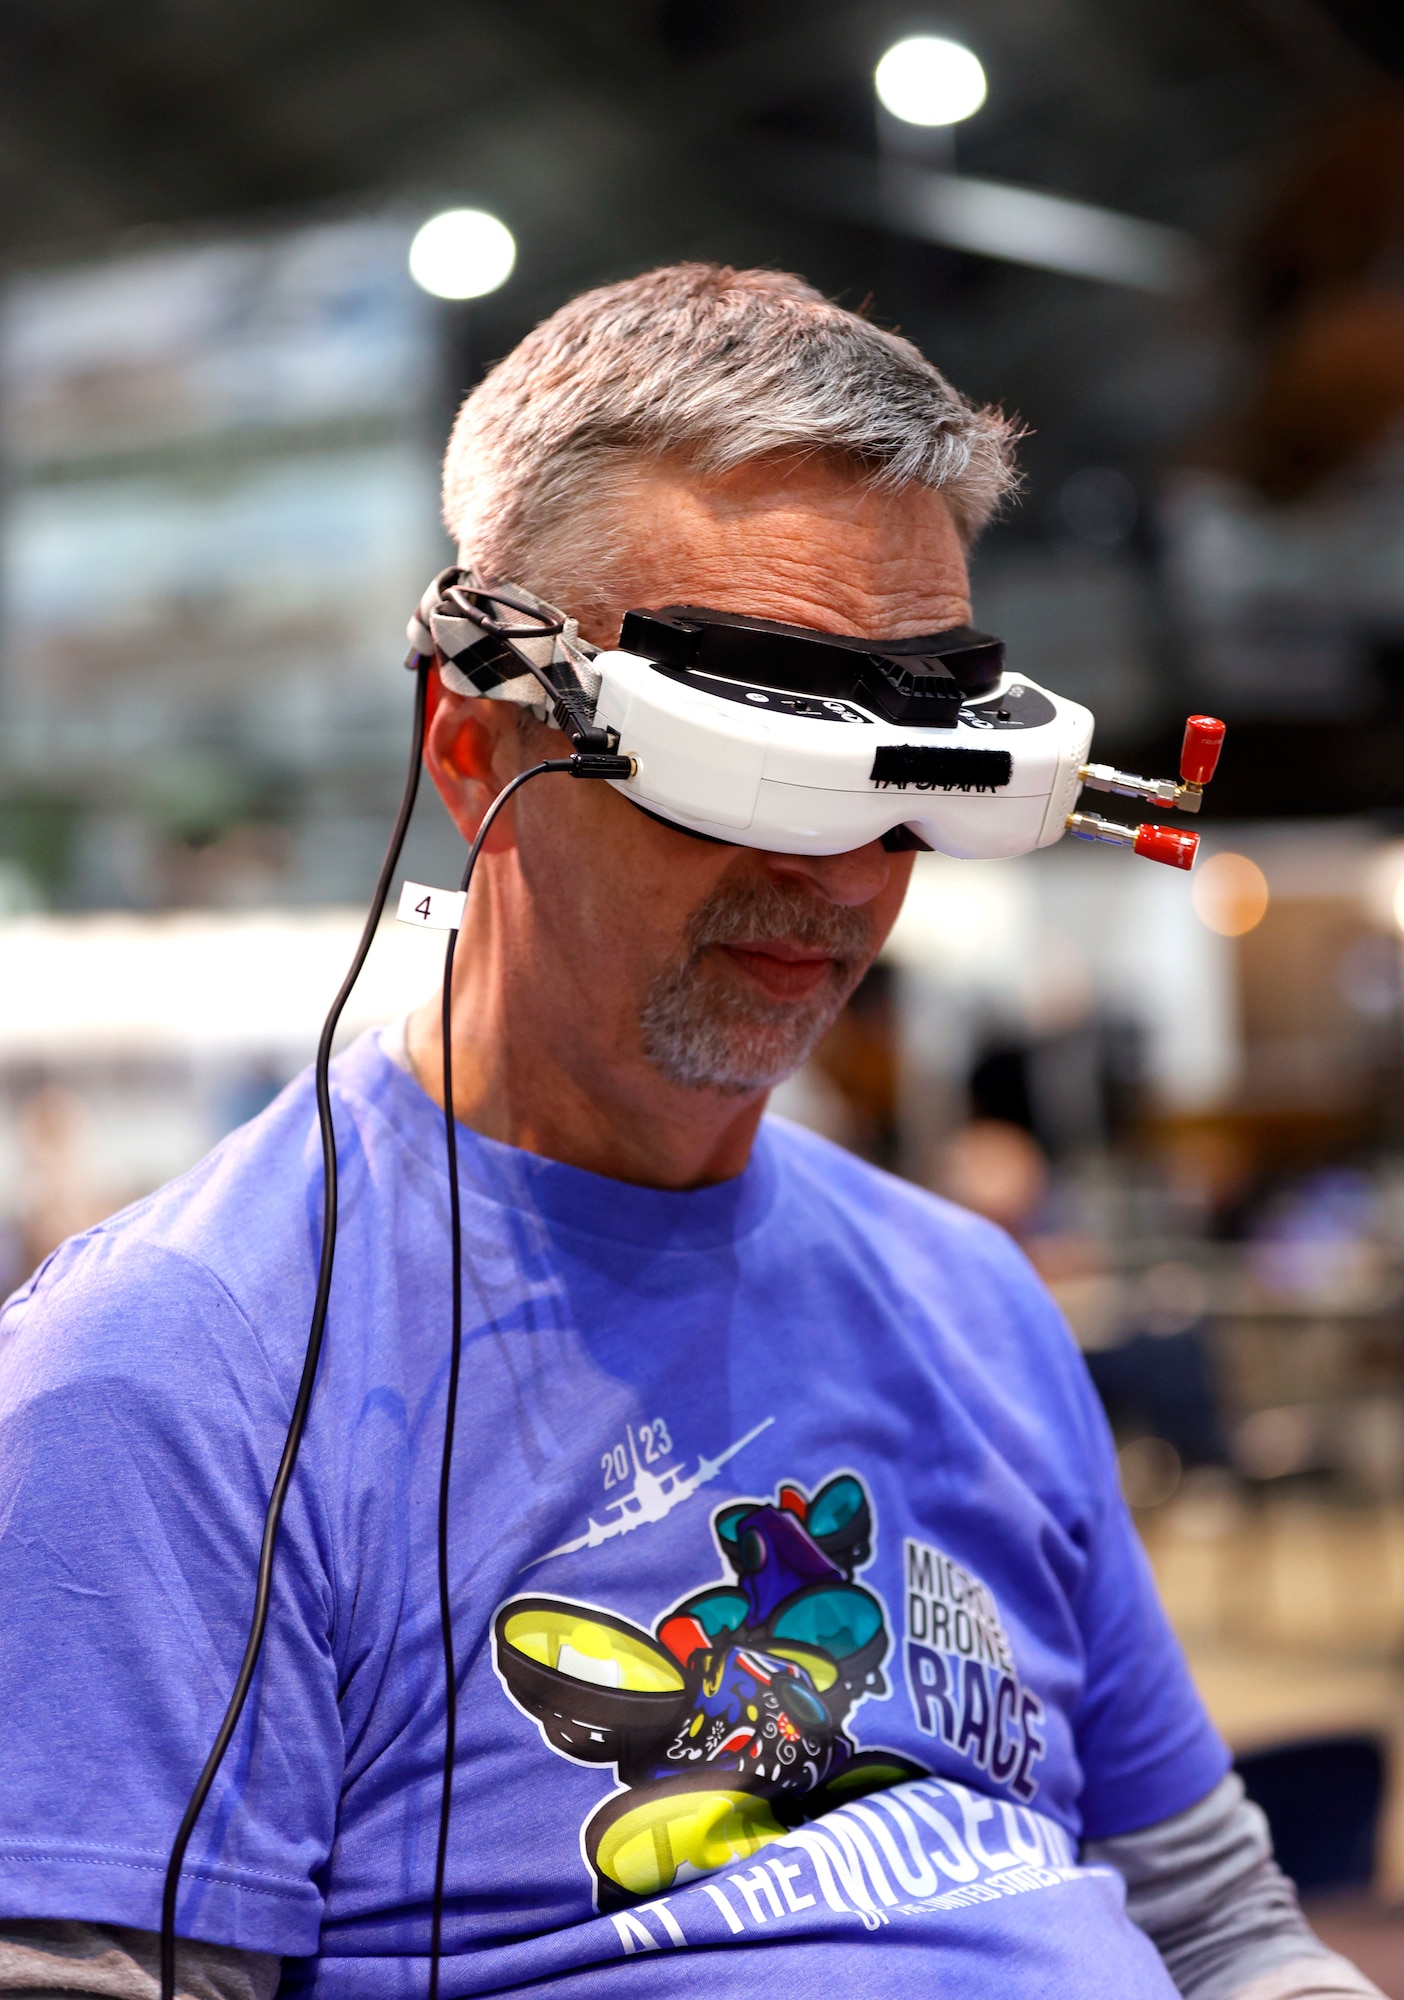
x=1199, y=757
x=1171, y=844
x=1204, y=739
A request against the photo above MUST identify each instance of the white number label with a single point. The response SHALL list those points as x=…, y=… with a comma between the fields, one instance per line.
x=431, y=909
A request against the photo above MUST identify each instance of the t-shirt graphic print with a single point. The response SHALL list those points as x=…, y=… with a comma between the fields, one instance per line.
x=961, y=1673
x=726, y=1726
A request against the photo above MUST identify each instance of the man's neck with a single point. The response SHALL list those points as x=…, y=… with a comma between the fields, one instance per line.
x=572, y=1091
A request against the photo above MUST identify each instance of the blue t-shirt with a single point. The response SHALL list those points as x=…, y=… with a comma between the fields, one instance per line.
x=796, y=1603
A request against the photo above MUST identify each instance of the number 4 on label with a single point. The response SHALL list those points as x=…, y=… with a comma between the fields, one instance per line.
x=430, y=909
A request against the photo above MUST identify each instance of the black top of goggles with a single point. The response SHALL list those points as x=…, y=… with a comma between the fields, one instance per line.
x=920, y=681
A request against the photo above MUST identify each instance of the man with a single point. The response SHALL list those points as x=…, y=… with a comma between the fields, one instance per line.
x=795, y=1601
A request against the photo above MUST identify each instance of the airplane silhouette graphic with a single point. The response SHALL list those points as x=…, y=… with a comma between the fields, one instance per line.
x=652, y=1496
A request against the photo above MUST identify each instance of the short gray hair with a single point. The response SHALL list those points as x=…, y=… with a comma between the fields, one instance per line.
x=711, y=367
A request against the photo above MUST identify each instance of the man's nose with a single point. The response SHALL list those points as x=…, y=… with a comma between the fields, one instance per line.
x=846, y=879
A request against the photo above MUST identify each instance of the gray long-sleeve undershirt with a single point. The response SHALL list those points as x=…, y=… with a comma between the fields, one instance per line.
x=1205, y=1889
x=1203, y=1886
x=44, y=1959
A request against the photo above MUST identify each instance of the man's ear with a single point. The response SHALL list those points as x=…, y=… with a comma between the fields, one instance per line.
x=472, y=748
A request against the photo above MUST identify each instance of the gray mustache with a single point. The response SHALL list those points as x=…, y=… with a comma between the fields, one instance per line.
x=750, y=911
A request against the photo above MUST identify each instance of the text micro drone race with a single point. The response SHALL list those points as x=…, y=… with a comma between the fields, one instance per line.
x=736, y=730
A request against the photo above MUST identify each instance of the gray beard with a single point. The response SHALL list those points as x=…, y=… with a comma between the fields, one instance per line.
x=704, y=1027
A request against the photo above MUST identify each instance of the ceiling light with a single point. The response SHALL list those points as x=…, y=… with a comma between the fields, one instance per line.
x=926, y=80
x=462, y=254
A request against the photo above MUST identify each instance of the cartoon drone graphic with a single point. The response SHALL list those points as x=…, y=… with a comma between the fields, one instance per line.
x=726, y=1727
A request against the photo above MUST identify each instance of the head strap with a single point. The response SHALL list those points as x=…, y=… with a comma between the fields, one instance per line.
x=501, y=642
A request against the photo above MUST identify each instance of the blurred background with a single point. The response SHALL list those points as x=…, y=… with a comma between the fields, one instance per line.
x=250, y=258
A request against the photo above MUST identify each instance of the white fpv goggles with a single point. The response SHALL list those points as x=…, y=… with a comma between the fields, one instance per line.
x=773, y=736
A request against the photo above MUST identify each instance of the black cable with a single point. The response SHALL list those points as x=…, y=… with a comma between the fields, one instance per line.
x=455, y=1357
x=571, y=706
x=544, y=627
x=583, y=764
x=298, y=1422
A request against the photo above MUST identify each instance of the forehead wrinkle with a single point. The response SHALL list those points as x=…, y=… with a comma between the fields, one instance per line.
x=805, y=545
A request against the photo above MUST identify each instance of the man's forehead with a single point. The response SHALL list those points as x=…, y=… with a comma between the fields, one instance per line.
x=810, y=542
x=817, y=483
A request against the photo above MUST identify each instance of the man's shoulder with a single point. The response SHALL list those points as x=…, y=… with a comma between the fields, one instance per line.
x=874, y=1198
x=953, y=1277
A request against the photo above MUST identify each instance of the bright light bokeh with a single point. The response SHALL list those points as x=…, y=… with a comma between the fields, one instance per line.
x=462, y=254
x=1230, y=894
x=926, y=80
